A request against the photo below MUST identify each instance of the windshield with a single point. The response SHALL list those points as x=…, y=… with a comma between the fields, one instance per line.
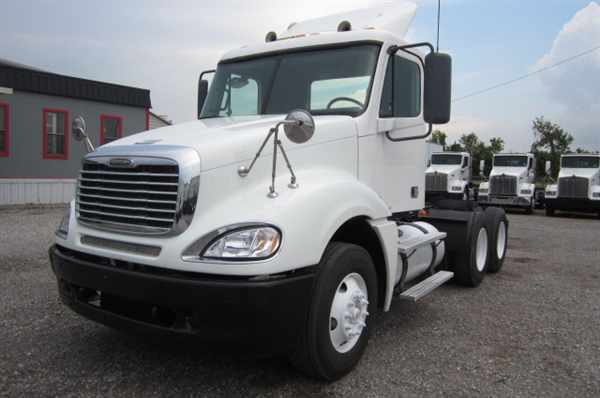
x=510, y=161
x=446, y=159
x=324, y=82
x=581, y=162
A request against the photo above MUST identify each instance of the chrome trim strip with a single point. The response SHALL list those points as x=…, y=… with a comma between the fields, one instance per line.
x=126, y=199
x=104, y=213
x=148, y=209
x=115, y=173
x=128, y=190
x=171, y=184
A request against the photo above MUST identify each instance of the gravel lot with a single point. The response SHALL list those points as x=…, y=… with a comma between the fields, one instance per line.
x=532, y=330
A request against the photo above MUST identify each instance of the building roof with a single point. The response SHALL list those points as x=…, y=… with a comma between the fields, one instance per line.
x=25, y=78
x=161, y=118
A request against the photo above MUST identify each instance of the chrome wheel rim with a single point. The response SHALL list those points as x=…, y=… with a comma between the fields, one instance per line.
x=348, y=315
x=501, y=243
x=481, y=250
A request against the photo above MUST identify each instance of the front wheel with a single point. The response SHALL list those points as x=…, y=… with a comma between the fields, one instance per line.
x=336, y=334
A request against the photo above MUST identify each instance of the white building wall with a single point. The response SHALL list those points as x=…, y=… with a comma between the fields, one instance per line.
x=36, y=191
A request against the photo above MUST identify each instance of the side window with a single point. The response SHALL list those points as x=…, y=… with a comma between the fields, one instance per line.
x=4, y=130
x=56, y=137
x=242, y=97
x=401, y=95
x=111, y=128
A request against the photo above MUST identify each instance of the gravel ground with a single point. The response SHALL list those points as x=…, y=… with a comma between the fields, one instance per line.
x=532, y=330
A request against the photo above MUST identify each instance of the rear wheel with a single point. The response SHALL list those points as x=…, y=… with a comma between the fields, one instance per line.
x=497, y=227
x=472, y=261
x=337, y=331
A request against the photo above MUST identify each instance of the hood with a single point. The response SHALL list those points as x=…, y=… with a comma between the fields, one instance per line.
x=444, y=168
x=585, y=173
x=224, y=141
x=510, y=171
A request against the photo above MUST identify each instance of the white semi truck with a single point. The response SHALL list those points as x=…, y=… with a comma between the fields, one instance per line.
x=448, y=176
x=578, y=187
x=285, y=232
x=511, y=182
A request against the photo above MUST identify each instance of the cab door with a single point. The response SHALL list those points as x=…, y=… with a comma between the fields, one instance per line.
x=397, y=169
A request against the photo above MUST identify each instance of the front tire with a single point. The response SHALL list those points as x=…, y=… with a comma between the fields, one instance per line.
x=337, y=331
x=497, y=227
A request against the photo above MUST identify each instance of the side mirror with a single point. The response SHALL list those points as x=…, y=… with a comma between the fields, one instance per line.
x=202, y=94
x=79, y=134
x=428, y=162
x=438, y=88
x=78, y=128
x=203, y=90
x=299, y=126
x=548, y=167
x=482, y=167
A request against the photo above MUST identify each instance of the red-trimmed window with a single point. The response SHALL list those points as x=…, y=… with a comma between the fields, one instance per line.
x=111, y=128
x=4, y=130
x=56, y=134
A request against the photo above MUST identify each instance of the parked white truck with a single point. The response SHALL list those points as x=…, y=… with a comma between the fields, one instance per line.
x=448, y=176
x=283, y=231
x=511, y=182
x=578, y=187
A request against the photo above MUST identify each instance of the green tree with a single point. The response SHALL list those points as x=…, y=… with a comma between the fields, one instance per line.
x=550, y=139
x=478, y=150
x=439, y=137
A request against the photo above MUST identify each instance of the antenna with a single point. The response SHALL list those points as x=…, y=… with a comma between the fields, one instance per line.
x=438, y=24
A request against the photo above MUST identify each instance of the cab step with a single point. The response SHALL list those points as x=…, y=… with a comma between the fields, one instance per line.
x=425, y=287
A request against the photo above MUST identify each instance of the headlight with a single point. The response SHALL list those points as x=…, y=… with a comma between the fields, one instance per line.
x=63, y=227
x=457, y=188
x=525, y=191
x=249, y=243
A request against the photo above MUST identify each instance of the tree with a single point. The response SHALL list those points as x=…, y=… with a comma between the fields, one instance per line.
x=550, y=138
x=439, y=137
x=478, y=150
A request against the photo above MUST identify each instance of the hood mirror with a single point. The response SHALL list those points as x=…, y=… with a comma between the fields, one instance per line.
x=78, y=129
x=299, y=126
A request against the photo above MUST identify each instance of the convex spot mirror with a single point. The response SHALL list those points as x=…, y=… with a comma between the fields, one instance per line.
x=299, y=126
x=438, y=88
x=78, y=128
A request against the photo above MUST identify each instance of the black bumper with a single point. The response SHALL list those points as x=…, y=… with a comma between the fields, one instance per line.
x=141, y=298
x=503, y=201
x=573, y=204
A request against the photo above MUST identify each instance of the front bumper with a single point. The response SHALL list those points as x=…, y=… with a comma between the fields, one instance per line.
x=573, y=204
x=504, y=201
x=142, y=298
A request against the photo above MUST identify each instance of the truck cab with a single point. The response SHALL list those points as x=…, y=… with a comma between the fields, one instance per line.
x=578, y=186
x=511, y=182
x=448, y=176
x=289, y=211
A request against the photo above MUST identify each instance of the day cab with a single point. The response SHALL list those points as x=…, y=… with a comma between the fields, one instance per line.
x=289, y=211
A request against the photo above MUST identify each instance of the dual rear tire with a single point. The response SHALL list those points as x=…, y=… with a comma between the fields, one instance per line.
x=485, y=247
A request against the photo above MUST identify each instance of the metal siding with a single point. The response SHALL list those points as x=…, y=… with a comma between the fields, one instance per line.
x=26, y=160
x=34, y=191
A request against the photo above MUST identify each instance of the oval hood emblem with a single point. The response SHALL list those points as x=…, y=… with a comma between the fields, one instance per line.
x=121, y=162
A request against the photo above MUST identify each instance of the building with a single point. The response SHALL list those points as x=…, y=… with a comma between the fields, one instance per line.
x=39, y=160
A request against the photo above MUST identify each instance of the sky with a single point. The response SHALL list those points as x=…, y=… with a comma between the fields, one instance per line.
x=163, y=46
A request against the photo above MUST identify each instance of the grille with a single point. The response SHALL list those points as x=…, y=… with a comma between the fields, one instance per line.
x=436, y=182
x=573, y=187
x=503, y=185
x=141, y=197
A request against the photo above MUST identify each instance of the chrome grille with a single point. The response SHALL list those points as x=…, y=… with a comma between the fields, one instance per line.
x=503, y=185
x=436, y=182
x=573, y=187
x=141, y=196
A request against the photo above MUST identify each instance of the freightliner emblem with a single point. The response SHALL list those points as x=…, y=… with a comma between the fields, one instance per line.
x=121, y=162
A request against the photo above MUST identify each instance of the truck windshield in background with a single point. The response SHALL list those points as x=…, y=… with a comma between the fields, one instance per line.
x=580, y=162
x=510, y=161
x=446, y=159
x=324, y=82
